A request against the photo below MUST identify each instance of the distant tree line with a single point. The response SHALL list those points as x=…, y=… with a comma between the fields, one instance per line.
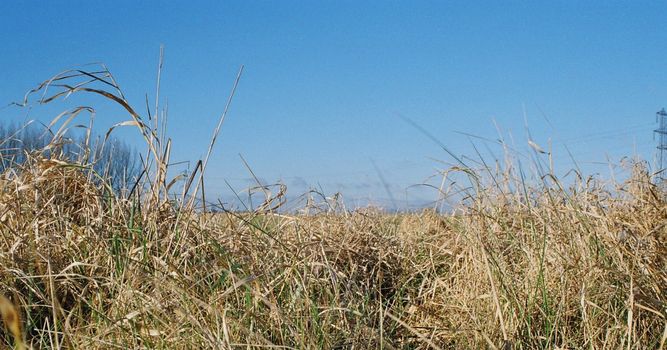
x=113, y=159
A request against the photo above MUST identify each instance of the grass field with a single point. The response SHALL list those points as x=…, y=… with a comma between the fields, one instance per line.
x=517, y=264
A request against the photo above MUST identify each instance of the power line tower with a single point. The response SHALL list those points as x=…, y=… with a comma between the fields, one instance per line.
x=661, y=119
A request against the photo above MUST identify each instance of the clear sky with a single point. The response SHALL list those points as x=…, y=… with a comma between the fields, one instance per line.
x=326, y=81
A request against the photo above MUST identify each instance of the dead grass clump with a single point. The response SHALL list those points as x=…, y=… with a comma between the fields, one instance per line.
x=53, y=220
x=519, y=263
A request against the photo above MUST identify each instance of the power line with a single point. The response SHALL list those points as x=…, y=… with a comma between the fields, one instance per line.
x=609, y=133
x=661, y=118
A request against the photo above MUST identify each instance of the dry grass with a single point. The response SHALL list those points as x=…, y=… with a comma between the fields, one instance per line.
x=518, y=265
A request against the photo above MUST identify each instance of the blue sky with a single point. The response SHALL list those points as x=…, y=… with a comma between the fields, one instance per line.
x=325, y=83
